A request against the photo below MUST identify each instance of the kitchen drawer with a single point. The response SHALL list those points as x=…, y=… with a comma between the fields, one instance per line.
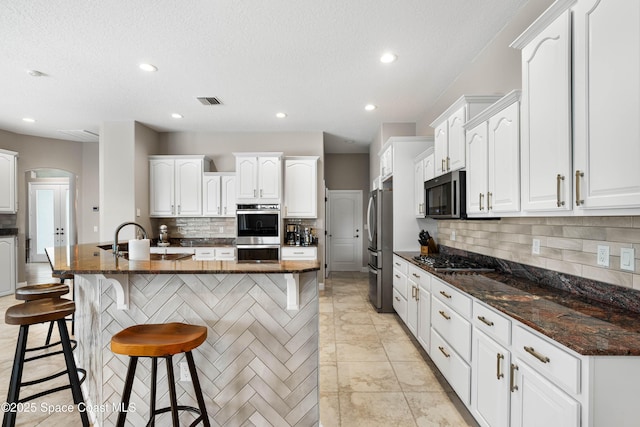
x=225, y=254
x=205, y=254
x=452, y=367
x=452, y=327
x=171, y=250
x=492, y=323
x=299, y=253
x=420, y=277
x=455, y=299
x=555, y=363
x=400, y=264
x=400, y=305
x=400, y=282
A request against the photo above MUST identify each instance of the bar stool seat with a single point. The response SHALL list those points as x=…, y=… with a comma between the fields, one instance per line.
x=25, y=315
x=41, y=291
x=155, y=341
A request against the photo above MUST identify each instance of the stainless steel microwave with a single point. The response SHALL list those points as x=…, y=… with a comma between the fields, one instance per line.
x=445, y=196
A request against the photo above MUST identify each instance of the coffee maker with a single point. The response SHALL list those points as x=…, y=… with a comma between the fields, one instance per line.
x=293, y=235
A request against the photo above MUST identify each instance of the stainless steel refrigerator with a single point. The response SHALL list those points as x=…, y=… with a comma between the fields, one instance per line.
x=380, y=233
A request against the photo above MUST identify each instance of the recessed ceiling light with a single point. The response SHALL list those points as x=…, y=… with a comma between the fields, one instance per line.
x=370, y=107
x=35, y=73
x=148, y=67
x=28, y=120
x=349, y=141
x=388, y=58
x=281, y=115
x=177, y=116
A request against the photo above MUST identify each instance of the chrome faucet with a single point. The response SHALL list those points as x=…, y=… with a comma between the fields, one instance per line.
x=120, y=227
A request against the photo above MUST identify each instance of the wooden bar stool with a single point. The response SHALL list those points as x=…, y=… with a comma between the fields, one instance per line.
x=155, y=341
x=42, y=291
x=31, y=313
x=63, y=278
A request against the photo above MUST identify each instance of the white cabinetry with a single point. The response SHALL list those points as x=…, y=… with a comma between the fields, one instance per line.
x=258, y=177
x=219, y=194
x=423, y=170
x=299, y=253
x=493, y=159
x=412, y=299
x=301, y=187
x=175, y=185
x=8, y=183
x=8, y=265
x=400, y=303
x=386, y=163
x=450, y=134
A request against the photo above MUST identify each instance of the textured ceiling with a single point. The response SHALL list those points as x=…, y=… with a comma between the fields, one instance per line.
x=318, y=61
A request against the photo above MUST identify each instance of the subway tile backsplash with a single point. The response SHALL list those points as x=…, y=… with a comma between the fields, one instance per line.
x=193, y=227
x=567, y=244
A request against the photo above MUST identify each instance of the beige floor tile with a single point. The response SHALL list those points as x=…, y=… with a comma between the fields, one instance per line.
x=328, y=378
x=327, y=352
x=363, y=307
x=329, y=409
x=416, y=376
x=402, y=351
x=435, y=409
x=375, y=410
x=391, y=332
x=360, y=351
x=354, y=333
x=367, y=377
x=352, y=318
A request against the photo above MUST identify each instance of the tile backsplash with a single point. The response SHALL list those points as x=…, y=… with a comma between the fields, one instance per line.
x=567, y=244
x=194, y=227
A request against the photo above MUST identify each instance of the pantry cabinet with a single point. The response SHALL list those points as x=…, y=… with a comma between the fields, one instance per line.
x=8, y=265
x=8, y=182
x=449, y=132
x=493, y=159
x=258, y=177
x=301, y=187
x=219, y=194
x=175, y=185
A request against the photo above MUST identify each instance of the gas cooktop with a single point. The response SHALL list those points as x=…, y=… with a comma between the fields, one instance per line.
x=451, y=264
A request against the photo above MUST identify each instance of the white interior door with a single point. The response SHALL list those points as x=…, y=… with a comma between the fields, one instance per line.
x=327, y=245
x=344, y=227
x=49, y=223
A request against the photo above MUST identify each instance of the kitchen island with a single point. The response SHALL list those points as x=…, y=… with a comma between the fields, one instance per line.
x=259, y=364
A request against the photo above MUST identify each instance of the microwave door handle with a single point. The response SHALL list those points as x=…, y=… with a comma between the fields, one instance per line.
x=369, y=218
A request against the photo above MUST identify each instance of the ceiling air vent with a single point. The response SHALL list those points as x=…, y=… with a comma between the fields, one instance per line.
x=209, y=100
x=81, y=135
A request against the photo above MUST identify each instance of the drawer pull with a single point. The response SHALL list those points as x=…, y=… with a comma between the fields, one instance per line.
x=443, y=352
x=417, y=276
x=512, y=384
x=499, y=357
x=443, y=314
x=299, y=253
x=397, y=263
x=397, y=276
x=485, y=321
x=534, y=353
x=397, y=299
x=444, y=294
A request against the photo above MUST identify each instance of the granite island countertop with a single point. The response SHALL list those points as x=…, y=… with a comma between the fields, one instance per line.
x=588, y=327
x=90, y=259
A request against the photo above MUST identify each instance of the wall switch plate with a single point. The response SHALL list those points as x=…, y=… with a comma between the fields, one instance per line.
x=138, y=212
x=627, y=259
x=453, y=235
x=185, y=375
x=535, y=247
x=603, y=255
x=95, y=228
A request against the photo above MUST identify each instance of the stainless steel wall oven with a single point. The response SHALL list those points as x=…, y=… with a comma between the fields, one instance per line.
x=258, y=233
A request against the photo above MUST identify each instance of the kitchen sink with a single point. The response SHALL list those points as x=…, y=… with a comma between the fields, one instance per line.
x=124, y=247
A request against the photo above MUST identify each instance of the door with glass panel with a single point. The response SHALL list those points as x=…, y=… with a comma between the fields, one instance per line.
x=48, y=218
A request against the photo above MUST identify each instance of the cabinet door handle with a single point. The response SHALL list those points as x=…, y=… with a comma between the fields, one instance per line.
x=218, y=210
x=261, y=192
x=443, y=314
x=179, y=209
x=443, y=167
x=579, y=175
x=225, y=210
x=255, y=192
x=499, y=357
x=448, y=167
x=485, y=321
x=512, y=380
x=286, y=210
x=480, y=202
x=417, y=294
x=489, y=194
x=559, y=179
x=413, y=292
x=443, y=352
x=444, y=294
x=541, y=357
x=173, y=210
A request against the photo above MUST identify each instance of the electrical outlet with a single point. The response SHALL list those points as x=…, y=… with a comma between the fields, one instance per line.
x=185, y=375
x=535, y=247
x=453, y=235
x=603, y=255
x=627, y=259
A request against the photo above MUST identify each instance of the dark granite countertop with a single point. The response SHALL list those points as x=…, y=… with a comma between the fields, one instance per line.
x=587, y=326
x=8, y=231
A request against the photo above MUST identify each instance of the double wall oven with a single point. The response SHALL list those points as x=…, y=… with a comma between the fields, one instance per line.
x=258, y=233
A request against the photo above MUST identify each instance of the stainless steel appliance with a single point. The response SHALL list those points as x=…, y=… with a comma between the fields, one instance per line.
x=445, y=196
x=258, y=233
x=293, y=235
x=380, y=233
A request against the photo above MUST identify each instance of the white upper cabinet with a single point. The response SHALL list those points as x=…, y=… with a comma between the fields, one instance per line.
x=493, y=159
x=219, y=194
x=606, y=80
x=301, y=187
x=423, y=170
x=175, y=185
x=386, y=163
x=450, y=133
x=258, y=177
x=8, y=170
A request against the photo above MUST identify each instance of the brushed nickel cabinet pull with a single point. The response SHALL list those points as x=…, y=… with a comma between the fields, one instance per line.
x=444, y=294
x=559, y=179
x=255, y=192
x=489, y=194
x=512, y=380
x=179, y=210
x=443, y=168
x=397, y=263
x=413, y=292
x=579, y=175
x=397, y=276
x=261, y=192
x=417, y=294
x=499, y=357
x=485, y=321
x=397, y=299
x=417, y=276
x=443, y=314
x=173, y=210
x=443, y=352
x=448, y=166
x=480, y=202
x=532, y=351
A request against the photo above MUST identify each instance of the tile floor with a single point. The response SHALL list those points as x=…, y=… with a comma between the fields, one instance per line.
x=371, y=372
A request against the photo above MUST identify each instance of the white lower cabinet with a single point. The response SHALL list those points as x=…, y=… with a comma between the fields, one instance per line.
x=490, y=389
x=8, y=262
x=453, y=367
x=400, y=287
x=412, y=296
x=298, y=253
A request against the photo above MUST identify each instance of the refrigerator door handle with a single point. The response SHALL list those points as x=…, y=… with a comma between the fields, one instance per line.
x=373, y=270
x=369, y=219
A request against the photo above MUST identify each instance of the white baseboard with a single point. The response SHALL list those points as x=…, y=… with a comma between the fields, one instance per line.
x=364, y=270
x=321, y=286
